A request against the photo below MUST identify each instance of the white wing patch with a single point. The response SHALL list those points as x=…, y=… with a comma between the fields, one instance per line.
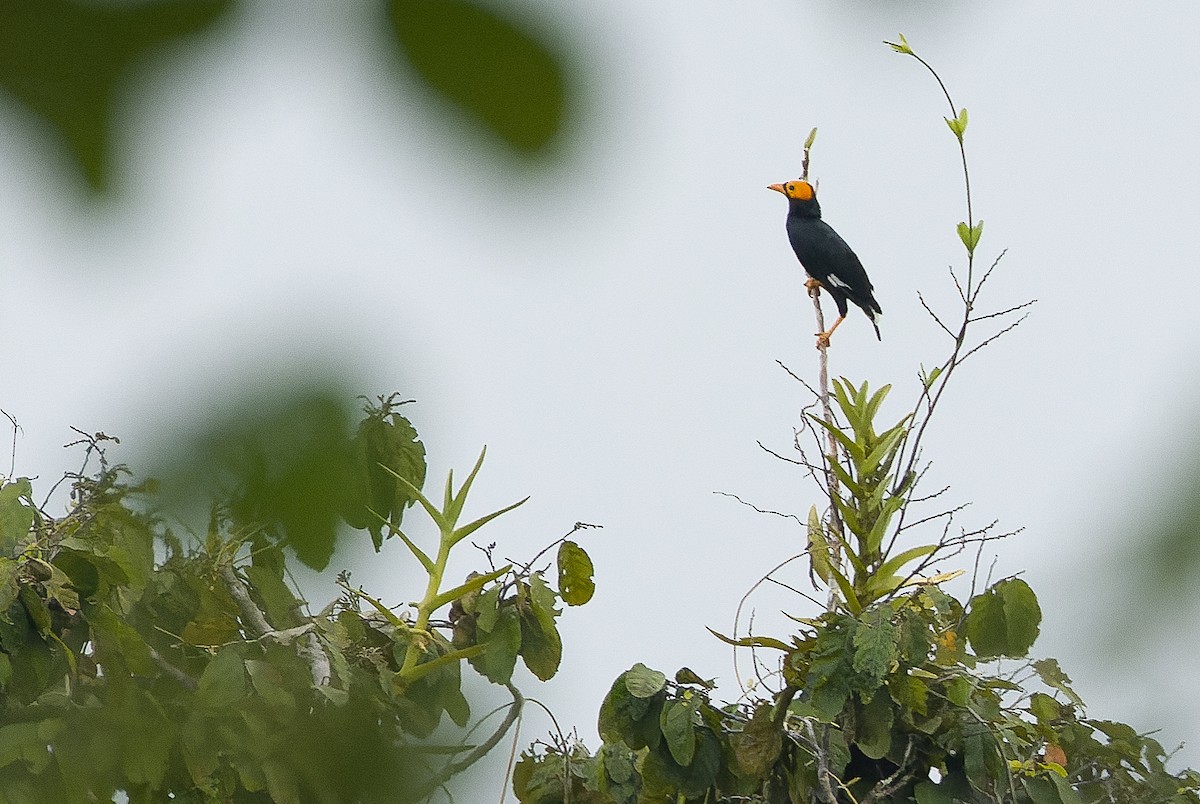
x=836, y=282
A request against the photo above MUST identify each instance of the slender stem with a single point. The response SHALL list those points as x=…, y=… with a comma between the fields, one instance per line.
x=961, y=147
x=425, y=608
x=835, y=517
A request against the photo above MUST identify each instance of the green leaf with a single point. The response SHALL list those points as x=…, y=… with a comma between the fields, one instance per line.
x=931, y=378
x=751, y=641
x=466, y=530
x=678, y=723
x=71, y=64
x=385, y=447
x=467, y=587
x=271, y=687
x=970, y=235
x=1053, y=676
x=223, y=682
x=758, y=745
x=118, y=640
x=873, y=726
x=625, y=717
x=16, y=513
x=930, y=793
x=1066, y=793
x=642, y=682
x=36, y=608
x=575, y=571
x=502, y=643
x=686, y=782
x=9, y=587
x=901, y=47
x=958, y=690
x=1004, y=620
x=541, y=645
x=488, y=64
x=893, y=564
x=282, y=458
x=22, y=741
x=1042, y=791
x=818, y=547
x=958, y=125
x=1044, y=708
x=876, y=644
x=279, y=604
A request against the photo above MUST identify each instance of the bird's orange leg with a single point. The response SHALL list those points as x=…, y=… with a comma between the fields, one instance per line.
x=823, y=337
x=813, y=285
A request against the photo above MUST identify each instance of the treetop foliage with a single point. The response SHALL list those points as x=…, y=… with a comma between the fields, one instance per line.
x=896, y=691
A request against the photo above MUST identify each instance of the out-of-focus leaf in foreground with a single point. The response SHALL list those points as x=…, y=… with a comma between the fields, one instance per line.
x=282, y=457
x=68, y=61
x=491, y=66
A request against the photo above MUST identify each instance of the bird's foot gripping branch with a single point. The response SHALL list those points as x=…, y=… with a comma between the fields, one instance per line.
x=898, y=688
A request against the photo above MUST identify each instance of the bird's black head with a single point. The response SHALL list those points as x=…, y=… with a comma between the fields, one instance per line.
x=802, y=198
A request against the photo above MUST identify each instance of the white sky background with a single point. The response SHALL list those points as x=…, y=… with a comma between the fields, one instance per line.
x=609, y=327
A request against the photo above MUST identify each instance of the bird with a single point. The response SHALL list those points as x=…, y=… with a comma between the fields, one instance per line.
x=829, y=262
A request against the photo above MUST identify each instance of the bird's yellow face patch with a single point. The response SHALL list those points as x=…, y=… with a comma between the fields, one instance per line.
x=795, y=189
x=798, y=189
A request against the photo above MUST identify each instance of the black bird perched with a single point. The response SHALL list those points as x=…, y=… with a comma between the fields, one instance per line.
x=826, y=257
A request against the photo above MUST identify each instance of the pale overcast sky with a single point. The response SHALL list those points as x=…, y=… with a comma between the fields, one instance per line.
x=609, y=326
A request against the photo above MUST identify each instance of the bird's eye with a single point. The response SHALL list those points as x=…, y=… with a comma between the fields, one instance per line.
x=791, y=188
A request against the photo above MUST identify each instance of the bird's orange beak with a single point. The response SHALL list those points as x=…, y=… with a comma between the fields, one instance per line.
x=777, y=188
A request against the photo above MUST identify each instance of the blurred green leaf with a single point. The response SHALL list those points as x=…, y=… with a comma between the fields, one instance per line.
x=489, y=65
x=282, y=458
x=67, y=61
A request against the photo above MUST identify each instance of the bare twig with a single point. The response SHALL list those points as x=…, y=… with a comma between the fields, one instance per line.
x=1000, y=313
x=934, y=315
x=756, y=508
x=455, y=768
x=16, y=428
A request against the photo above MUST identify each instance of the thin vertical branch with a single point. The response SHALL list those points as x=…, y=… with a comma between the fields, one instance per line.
x=835, y=518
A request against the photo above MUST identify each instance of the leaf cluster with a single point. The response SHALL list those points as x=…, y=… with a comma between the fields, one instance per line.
x=192, y=669
x=905, y=702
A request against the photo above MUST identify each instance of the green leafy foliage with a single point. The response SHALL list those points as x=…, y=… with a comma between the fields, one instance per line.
x=878, y=701
x=897, y=692
x=132, y=660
